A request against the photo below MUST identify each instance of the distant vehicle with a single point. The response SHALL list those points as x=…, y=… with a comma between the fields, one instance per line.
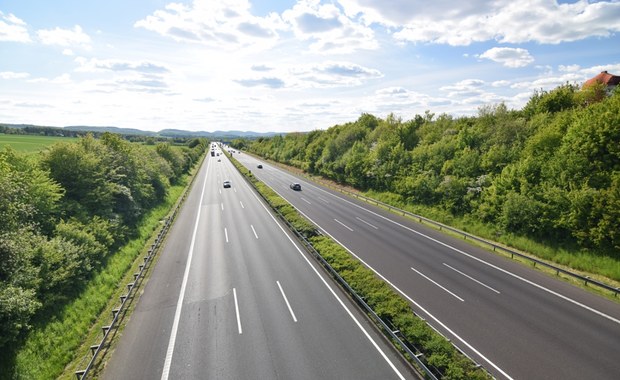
x=219, y=160
x=227, y=183
x=296, y=186
x=212, y=153
x=259, y=166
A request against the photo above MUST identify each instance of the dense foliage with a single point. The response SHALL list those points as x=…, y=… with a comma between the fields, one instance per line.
x=550, y=171
x=64, y=211
x=389, y=305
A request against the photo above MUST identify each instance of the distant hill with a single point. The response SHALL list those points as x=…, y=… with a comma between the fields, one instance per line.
x=122, y=131
x=172, y=133
x=214, y=135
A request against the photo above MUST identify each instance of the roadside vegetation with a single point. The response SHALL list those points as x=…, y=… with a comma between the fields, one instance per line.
x=73, y=218
x=389, y=305
x=544, y=179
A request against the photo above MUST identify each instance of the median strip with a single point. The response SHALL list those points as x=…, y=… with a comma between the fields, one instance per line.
x=426, y=349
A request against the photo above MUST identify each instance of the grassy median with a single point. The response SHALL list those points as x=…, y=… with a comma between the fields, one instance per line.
x=389, y=305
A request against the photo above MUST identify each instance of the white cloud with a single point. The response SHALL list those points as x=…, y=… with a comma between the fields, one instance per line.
x=13, y=75
x=226, y=24
x=509, y=57
x=329, y=30
x=70, y=38
x=13, y=29
x=500, y=83
x=116, y=65
x=61, y=79
x=334, y=74
x=506, y=21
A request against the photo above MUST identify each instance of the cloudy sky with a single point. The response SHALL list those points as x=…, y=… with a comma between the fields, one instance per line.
x=286, y=65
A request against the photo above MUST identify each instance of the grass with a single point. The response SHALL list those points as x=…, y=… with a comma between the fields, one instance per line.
x=389, y=305
x=30, y=143
x=596, y=265
x=65, y=337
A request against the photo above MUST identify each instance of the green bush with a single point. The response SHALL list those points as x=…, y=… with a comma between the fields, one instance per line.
x=378, y=295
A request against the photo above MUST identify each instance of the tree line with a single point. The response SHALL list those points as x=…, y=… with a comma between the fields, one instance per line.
x=550, y=171
x=64, y=211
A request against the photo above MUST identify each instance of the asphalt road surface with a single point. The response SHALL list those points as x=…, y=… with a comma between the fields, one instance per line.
x=514, y=320
x=233, y=297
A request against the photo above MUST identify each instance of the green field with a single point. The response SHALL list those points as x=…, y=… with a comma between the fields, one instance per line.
x=29, y=143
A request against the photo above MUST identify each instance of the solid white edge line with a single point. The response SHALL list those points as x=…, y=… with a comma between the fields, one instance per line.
x=177, y=314
x=290, y=309
x=568, y=299
x=237, y=312
x=226, y=234
x=415, y=303
x=436, y=283
x=253, y=230
x=359, y=325
x=344, y=225
x=471, y=278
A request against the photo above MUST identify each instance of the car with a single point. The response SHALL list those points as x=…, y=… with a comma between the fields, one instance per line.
x=295, y=186
x=219, y=160
x=227, y=183
x=259, y=166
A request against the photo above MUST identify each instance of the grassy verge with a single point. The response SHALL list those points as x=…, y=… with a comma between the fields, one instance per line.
x=57, y=347
x=587, y=263
x=600, y=267
x=389, y=305
x=50, y=347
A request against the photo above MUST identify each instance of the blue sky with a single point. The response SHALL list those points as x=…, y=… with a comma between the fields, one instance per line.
x=289, y=65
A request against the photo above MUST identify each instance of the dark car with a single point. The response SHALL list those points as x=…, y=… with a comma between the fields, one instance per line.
x=226, y=183
x=259, y=166
x=296, y=186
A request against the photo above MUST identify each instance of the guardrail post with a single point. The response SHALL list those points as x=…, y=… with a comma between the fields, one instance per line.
x=93, y=348
x=587, y=278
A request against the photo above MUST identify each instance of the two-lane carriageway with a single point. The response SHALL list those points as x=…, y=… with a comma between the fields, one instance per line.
x=232, y=296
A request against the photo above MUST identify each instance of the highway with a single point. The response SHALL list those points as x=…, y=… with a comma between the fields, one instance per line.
x=232, y=296
x=514, y=320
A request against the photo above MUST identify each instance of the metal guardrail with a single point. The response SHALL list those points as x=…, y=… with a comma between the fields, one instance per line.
x=410, y=349
x=496, y=247
x=96, y=349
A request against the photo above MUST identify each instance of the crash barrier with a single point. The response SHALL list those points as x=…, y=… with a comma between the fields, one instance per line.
x=496, y=247
x=413, y=352
x=132, y=286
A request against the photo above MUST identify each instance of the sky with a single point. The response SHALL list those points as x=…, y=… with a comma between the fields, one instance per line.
x=286, y=65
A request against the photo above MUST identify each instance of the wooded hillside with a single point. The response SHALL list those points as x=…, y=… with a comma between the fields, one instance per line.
x=63, y=212
x=550, y=171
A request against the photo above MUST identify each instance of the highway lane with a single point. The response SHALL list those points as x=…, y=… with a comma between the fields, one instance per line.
x=249, y=304
x=517, y=322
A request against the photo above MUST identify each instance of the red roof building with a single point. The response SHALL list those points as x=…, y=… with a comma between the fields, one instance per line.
x=605, y=78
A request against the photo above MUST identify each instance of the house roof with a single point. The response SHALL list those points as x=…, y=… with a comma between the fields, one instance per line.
x=605, y=78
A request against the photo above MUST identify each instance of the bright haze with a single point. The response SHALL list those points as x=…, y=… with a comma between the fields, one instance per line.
x=281, y=65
